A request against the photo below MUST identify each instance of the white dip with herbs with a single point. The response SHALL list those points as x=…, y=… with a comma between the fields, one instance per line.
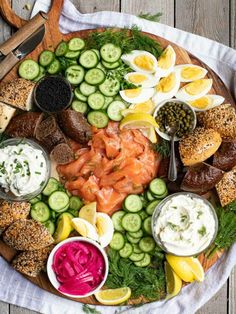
x=185, y=225
x=23, y=169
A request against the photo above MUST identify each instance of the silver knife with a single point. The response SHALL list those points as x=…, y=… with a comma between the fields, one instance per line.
x=21, y=51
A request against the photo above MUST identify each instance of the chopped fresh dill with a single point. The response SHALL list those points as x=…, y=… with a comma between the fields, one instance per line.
x=163, y=148
x=151, y=17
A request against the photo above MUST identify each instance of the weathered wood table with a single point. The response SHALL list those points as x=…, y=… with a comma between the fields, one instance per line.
x=215, y=19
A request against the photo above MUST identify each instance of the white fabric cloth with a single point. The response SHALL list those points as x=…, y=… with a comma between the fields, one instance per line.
x=17, y=290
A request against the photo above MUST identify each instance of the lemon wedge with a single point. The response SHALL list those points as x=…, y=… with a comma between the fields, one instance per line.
x=150, y=133
x=84, y=228
x=187, y=268
x=138, y=120
x=113, y=296
x=174, y=283
x=88, y=212
x=63, y=229
x=105, y=228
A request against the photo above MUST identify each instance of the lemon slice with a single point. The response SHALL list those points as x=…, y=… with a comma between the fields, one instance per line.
x=138, y=120
x=88, y=212
x=187, y=268
x=105, y=228
x=174, y=283
x=63, y=229
x=113, y=296
x=150, y=133
x=85, y=228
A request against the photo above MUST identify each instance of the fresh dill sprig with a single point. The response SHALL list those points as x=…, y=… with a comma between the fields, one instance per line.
x=151, y=17
x=163, y=148
x=90, y=310
x=231, y=206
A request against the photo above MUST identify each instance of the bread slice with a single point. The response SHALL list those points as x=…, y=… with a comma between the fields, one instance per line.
x=226, y=188
x=12, y=211
x=18, y=93
x=6, y=113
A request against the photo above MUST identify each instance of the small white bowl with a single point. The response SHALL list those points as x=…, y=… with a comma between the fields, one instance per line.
x=52, y=276
x=161, y=104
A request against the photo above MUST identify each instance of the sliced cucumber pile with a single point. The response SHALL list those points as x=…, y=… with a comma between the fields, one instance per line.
x=92, y=74
x=133, y=233
x=54, y=200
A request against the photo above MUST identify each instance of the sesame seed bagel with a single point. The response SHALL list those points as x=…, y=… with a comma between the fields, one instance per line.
x=199, y=146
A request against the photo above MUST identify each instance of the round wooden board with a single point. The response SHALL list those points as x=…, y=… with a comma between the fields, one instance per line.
x=51, y=39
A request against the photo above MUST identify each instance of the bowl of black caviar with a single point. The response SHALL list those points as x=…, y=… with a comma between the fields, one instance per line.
x=173, y=110
x=53, y=93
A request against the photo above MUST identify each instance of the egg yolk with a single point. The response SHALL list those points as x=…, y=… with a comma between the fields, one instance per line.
x=165, y=60
x=198, y=86
x=137, y=78
x=131, y=93
x=166, y=84
x=144, y=62
x=201, y=103
x=146, y=106
x=191, y=73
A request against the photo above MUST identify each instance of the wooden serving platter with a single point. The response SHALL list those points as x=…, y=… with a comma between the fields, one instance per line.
x=51, y=39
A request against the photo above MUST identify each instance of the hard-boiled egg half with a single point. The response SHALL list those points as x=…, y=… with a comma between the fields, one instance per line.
x=166, y=88
x=194, y=90
x=190, y=72
x=166, y=62
x=105, y=228
x=206, y=102
x=140, y=61
x=137, y=95
x=142, y=79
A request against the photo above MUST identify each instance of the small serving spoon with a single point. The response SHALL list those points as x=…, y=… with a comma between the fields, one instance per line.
x=171, y=130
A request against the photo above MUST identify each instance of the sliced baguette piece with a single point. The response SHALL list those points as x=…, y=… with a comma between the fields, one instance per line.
x=6, y=113
x=17, y=93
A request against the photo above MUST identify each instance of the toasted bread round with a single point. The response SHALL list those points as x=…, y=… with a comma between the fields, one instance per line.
x=199, y=146
x=12, y=211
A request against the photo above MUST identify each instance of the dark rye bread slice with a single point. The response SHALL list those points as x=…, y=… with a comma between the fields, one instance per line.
x=62, y=154
x=49, y=134
x=225, y=157
x=226, y=187
x=31, y=263
x=24, y=125
x=27, y=235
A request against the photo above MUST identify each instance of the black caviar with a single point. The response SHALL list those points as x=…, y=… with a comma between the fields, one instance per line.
x=173, y=111
x=53, y=94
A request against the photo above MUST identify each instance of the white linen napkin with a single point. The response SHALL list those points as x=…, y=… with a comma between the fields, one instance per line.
x=15, y=289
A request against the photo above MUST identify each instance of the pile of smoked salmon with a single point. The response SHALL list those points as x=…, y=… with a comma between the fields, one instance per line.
x=115, y=164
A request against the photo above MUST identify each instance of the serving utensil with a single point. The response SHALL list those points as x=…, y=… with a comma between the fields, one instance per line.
x=171, y=130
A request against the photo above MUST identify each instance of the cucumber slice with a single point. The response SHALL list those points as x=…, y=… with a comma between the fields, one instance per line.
x=58, y=201
x=110, y=66
x=144, y=262
x=136, y=248
x=75, y=203
x=79, y=95
x=40, y=212
x=132, y=203
x=79, y=106
x=110, y=53
x=51, y=186
x=135, y=257
x=36, y=199
x=28, y=69
x=147, y=225
x=54, y=67
x=110, y=87
x=76, y=43
x=157, y=186
x=151, y=207
x=75, y=74
x=114, y=110
x=116, y=219
x=88, y=59
x=143, y=214
x=61, y=49
x=98, y=119
x=41, y=74
x=50, y=226
x=147, y=244
x=126, y=251
x=72, y=54
x=137, y=235
x=46, y=57
x=107, y=102
x=149, y=196
x=160, y=197
x=118, y=241
x=131, y=239
x=131, y=222
x=94, y=76
x=96, y=101
x=97, y=53
x=87, y=89
x=101, y=67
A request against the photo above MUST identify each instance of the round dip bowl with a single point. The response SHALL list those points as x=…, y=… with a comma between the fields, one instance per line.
x=52, y=275
x=9, y=196
x=173, y=100
x=158, y=211
x=53, y=93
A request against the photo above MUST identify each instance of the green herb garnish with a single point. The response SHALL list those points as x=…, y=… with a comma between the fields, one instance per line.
x=202, y=231
x=199, y=213
x=183, y=218
x=163, y=148
x=90, y=310
x=151, y=17
x=231, y=206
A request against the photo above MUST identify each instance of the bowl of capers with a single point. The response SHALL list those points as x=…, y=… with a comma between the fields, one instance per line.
x=174, y=111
